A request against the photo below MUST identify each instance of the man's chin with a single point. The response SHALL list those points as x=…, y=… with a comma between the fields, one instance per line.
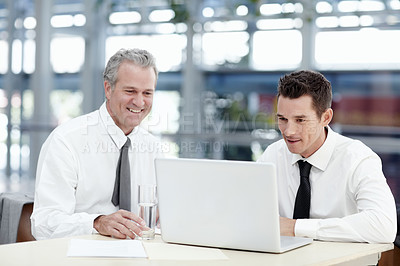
x=293, y=148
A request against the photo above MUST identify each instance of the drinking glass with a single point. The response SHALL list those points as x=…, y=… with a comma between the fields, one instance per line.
x=147, y=200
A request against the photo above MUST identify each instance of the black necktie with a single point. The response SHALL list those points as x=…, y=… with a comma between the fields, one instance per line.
x=122, y=187
x=303, y=197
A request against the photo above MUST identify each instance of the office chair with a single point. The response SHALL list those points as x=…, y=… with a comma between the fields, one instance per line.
x=24, y=228
x=15, y=212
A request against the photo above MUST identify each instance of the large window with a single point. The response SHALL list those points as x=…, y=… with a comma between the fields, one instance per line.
x=274, y=50
x=4, y=57
x=225, y=48
x=67, y=54
x=362, y=49
x=168, y=49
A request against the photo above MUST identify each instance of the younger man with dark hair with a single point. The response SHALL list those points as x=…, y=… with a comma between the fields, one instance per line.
x=342, y=194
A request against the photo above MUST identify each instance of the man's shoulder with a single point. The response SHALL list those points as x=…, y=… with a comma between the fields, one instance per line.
x=353, y=146
x=79, y=124
x=274, y=150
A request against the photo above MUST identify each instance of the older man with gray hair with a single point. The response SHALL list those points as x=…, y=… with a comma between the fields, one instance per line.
x=78, y=189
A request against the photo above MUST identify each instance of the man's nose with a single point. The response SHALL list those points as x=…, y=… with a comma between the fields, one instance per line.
x=291, y=128
x=138, y=100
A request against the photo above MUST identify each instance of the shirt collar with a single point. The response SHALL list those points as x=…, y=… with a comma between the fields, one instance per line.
x=115, y=133
x=322, y=156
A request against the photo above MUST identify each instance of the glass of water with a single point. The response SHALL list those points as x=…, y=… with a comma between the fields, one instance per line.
x=147, y=200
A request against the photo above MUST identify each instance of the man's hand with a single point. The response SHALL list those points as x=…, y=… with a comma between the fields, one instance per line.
x=287, y=226
x=120, y=224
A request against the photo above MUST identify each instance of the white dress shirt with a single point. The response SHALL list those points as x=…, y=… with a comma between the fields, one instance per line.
x=350, y=199
x=77, y=170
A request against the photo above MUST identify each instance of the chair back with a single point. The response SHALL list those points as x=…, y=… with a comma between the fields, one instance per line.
x=15, y=211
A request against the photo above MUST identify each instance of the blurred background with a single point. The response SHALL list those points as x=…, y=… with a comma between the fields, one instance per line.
x=219, y=62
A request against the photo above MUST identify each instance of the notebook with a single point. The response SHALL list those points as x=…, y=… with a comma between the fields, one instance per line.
x=219, y=203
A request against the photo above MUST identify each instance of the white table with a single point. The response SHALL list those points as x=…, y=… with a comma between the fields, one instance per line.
x=54, y=252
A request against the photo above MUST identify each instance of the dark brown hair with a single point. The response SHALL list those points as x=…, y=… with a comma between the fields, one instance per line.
x=307, y=82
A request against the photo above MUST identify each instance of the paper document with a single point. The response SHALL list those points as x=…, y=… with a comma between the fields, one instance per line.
x=106, y=248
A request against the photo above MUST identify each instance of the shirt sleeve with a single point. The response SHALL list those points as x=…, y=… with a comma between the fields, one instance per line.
x=375, y=221
x=54, y=204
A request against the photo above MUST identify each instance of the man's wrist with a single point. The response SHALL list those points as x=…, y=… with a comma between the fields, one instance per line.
x=96, y=223
x=294, y=227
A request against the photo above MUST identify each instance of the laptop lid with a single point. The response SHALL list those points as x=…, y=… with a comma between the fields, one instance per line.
x=218, y=203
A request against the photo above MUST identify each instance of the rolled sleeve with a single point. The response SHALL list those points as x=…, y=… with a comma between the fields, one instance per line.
x=307, y=228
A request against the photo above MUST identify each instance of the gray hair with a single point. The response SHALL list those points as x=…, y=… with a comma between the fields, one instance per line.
x=139, y=57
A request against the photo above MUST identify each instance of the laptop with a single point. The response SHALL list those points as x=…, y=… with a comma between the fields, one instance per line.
x=220, y=203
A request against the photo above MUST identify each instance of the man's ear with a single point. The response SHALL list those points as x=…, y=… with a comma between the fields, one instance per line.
x=107, y=89
x=327, y=116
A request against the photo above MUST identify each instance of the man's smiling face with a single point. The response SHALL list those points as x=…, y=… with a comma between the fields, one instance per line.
x=301, y=128
x=131, y=99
